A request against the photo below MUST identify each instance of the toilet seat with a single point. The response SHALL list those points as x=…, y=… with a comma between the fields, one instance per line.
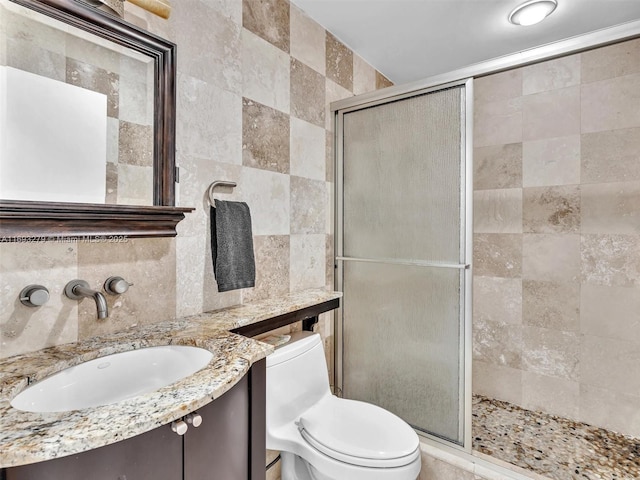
x=359, y=433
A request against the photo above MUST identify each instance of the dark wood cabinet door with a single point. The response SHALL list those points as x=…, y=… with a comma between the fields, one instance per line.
x=219, y=448
x=154, y=455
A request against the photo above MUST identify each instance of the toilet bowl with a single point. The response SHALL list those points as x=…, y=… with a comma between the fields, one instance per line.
x=323, y=437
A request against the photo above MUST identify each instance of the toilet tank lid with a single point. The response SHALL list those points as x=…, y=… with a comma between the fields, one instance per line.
x=300, y=343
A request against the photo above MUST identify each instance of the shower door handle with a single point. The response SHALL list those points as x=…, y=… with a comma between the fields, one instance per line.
x=413, y=263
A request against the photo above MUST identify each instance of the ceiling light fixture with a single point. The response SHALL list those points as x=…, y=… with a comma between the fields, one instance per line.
x=532, y=12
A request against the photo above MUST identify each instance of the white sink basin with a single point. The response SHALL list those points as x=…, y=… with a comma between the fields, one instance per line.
x=112, y=378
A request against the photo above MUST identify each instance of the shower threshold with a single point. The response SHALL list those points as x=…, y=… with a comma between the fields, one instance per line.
x=554, y=447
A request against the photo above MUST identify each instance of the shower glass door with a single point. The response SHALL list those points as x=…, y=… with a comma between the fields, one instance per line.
x=403, y=248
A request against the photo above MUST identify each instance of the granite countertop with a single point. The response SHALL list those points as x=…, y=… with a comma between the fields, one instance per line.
x=27, y=437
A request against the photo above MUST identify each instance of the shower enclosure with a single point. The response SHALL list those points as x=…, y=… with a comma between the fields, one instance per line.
x=557, y=249
x=403, y=230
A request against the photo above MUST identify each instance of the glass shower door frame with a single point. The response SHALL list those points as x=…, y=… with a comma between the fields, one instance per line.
x=466, y=250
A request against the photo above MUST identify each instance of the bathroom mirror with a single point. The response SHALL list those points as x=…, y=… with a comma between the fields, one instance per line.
x=87, y=124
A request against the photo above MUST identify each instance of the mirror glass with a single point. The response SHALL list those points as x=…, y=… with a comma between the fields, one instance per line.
x=76, y=114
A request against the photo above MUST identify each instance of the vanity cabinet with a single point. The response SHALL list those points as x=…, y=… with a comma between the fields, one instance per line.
x=228, y=445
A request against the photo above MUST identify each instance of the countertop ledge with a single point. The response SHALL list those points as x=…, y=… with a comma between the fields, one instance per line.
x=27, y=437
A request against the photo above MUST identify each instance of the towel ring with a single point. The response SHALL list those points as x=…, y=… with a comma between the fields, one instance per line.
x=218, y=183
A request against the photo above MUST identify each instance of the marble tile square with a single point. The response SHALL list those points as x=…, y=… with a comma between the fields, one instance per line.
x=265, y=137
x=330, y=207
x=308, y=205
x=148, y=263
x=111, y=194
x=135, y=101
x=611, y=410
x=497, y=211
x=501, y=383
x=135, y=185
x=334, y=92
x=308, y=262
x=24, y=55
x=269, y=19
x=611, y=61
x=497, y=300
x=265, y=72
x=551, y=209
x=551, y=161
x=91, y=77
x=266, y=193
x=83, y=50
x=551, y=75
x=498, y=122
x=610, y=364
x=364, y=76
x=497, y=343
x=551, y=353
x=611, y=104
x=308, y=154
x=203, y=132
x=210, y=45
x=191, y=269
x=330, y=266
x=499, y=86
x=611, y=260
x=552, y=305
x=268, y=196
x=308, y=42
x=135, y=144
x=307, y=93
x=551, y=394
x=554, y=257
x=497, y=255
x=51, y=264
x=497, y=166
x=611, y=312
x=434, y=469
x=272, y=254
x=611, y=208
x=330, y=157
x=113, y=142
x=382, y=81
x=551, y=114
x=610, y=156
x=339, y=62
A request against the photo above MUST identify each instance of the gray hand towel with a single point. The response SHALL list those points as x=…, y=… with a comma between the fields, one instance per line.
x=232, y=245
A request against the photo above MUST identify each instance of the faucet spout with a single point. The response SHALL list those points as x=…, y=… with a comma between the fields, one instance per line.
x=79, y=289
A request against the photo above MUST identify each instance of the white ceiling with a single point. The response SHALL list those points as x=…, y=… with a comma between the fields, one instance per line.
x=410, y=40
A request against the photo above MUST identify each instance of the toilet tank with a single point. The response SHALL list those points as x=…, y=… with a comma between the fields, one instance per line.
x=297, y=378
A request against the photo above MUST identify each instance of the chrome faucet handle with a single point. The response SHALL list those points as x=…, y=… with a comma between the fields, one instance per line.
x=116, y=285
x=34, y=295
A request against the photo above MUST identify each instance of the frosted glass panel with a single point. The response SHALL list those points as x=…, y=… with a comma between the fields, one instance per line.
x=402, y=179
x=401, y=330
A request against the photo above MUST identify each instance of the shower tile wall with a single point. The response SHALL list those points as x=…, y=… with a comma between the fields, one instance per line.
x=255, y=80
x=557, y=237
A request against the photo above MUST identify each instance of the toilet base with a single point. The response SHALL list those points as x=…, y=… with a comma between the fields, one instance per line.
x=293, y=467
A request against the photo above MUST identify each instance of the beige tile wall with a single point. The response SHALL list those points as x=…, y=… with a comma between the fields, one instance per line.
x=255, y=80
x=557, y=237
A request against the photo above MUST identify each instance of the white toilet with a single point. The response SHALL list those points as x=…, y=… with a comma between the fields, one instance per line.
x=323, y=437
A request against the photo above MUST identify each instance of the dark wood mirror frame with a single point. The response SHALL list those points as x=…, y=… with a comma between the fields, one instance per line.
x=25, y=220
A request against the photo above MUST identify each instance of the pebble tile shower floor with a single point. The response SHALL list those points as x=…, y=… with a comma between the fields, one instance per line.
x=551, y=446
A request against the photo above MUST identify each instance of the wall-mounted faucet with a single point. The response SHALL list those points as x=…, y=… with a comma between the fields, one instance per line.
x=79, y=289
